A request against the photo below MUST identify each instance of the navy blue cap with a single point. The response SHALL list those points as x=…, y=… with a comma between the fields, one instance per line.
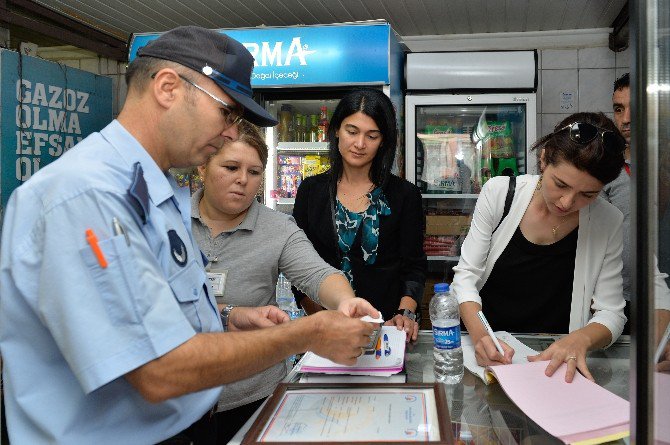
x=219, y=57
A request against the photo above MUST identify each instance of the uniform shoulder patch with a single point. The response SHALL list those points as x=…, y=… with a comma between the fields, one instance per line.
x=138, y=193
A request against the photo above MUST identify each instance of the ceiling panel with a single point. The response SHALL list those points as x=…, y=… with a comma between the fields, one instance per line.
x=458, y=10
x=496, y=16
x=407, y=17
x=573, y=14
x=516, y=13
x=553, y=16
x=440, y=17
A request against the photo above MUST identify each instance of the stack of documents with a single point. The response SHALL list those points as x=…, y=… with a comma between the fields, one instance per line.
x=387, y=359
x=577, y=412
x=581, y=412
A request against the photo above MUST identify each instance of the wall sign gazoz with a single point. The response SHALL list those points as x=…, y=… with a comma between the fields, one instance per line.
x=46, y=109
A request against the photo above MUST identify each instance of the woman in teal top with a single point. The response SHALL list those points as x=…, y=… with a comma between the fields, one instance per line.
x=361, y=218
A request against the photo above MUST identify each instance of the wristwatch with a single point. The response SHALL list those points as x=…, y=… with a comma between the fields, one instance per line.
x=225, y=313
x=409, y=314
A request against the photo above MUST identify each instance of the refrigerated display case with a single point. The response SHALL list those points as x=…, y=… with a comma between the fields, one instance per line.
x=303, y=104
x=298, y=146
x=455, y=141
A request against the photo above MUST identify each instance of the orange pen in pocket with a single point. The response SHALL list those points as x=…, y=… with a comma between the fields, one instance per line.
x=93, y=241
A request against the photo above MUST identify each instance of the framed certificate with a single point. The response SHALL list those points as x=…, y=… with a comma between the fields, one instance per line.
x=353, y=413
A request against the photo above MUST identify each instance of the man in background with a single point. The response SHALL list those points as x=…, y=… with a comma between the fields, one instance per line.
x=617, y=192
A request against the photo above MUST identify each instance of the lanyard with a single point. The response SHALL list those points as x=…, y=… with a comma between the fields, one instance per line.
x=627, y=167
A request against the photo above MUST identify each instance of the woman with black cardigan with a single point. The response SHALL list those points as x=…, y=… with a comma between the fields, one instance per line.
x=361, y=218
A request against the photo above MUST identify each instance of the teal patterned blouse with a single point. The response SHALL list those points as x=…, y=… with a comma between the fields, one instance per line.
x=348, y=224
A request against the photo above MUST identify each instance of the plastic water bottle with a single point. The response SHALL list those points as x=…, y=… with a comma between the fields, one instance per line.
x=285, y=299
x=286, y=302
x=446, y=321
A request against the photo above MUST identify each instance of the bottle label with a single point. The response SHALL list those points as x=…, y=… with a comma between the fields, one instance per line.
x=447, y=337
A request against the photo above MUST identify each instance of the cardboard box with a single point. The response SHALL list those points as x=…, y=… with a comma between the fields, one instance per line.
x=447, y=224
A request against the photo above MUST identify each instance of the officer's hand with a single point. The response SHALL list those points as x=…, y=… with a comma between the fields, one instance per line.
x=337, y=337
x=245, y=318
x=357, y=308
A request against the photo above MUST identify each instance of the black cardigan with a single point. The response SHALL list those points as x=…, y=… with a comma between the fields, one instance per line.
x=400, y=267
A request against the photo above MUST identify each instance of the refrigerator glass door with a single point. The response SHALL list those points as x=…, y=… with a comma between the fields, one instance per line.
x=454, y=144
x=459, y=147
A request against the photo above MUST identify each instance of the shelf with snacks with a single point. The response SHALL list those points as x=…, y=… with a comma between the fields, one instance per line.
x=302, y=147
x=286, y=201
x=292, y=167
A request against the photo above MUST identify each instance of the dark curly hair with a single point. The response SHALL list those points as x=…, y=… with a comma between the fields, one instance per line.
x=595, y=158
x=376, y=105
x=622, y=82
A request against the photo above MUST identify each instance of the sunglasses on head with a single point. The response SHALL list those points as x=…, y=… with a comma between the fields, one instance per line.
x=583, y=133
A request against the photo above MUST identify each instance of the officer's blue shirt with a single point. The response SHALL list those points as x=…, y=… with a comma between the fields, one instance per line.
x=69, y=328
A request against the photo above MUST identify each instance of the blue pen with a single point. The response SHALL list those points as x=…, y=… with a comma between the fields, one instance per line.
x=387, y=348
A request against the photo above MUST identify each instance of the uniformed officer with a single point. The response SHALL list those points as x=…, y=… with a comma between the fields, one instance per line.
x=108, y=331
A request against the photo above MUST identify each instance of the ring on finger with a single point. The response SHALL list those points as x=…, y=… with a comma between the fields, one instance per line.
x=571, y=357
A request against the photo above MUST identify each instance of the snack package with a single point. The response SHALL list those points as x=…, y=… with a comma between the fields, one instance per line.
x=499, y=140
x=311, y=165
x=289, y=175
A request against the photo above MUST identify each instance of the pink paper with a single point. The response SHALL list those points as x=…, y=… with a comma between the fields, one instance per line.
x=662, y=407
x=565, y=410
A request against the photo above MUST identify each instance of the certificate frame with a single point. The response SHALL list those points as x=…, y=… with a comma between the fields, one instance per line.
x=437, y=406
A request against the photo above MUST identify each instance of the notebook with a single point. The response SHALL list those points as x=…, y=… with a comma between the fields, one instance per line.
x=521, y=351
x=387, y=359
x=581, y=412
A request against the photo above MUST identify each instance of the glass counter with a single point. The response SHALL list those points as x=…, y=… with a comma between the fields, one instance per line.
x=483, y=414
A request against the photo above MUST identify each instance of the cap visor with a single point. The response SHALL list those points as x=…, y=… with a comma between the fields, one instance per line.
x=253, y=112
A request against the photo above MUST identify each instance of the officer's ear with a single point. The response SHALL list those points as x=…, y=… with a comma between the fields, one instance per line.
x=167, y=87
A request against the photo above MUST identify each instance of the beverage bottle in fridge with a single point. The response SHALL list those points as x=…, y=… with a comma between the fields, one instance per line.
x=323, y=125
x=304, y=128
x=285, y=123
x=299, y=129
x=446, y=322
x=314, y=128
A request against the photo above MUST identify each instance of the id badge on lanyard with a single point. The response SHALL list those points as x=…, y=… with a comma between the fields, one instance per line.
x=218, y=282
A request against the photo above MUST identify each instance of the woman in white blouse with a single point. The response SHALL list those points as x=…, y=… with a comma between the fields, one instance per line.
x=554, y=262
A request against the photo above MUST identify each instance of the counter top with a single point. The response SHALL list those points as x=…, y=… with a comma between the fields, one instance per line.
x=483, y=413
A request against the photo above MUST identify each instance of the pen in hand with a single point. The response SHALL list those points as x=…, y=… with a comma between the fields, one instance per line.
x=487, y=326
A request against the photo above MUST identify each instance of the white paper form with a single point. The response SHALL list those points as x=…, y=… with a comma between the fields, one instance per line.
x=386, y=360
x=521, y=351
x=349, y=414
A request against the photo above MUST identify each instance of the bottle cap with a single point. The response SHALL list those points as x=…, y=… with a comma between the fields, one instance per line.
x=441, y=287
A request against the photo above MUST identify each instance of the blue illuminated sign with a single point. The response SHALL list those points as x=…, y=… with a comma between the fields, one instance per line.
x=46, y=109
x=311, y=55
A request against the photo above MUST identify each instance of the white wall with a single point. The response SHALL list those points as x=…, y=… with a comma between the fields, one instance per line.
x=585, y=74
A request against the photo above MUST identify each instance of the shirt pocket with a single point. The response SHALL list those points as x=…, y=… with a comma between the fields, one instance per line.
x=187, y=287
x=114, y=281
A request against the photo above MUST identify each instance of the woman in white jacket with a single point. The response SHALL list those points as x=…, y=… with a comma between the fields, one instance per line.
x=554, y=262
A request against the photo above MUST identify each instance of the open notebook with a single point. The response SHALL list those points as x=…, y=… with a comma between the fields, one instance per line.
x=521, y=351
x=386, y=360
